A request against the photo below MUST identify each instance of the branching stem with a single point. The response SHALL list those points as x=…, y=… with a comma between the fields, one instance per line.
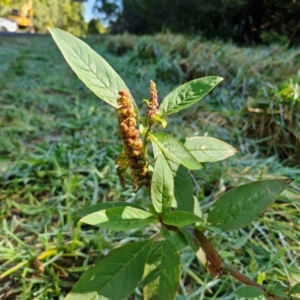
x=247, y=281
x=145, y=146
x=214, y=264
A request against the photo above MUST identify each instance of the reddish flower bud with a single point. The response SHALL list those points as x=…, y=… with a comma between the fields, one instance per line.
x=137, y=144
x=131, y=122
x=153, y=103
x=135, y=153
x=129, y=142
x=123, y=127
x=132, y=132
x=123, y=111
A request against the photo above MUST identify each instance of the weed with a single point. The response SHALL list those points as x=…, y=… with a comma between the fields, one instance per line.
x=65, y=162
x=153, y=264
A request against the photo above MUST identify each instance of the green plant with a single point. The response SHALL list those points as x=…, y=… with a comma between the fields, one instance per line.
x=290, y=89
x=273, y=119
x=174, y=213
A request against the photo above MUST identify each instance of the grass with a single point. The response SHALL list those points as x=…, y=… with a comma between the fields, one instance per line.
x=59, y=142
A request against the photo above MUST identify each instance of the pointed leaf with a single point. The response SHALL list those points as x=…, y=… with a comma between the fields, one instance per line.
x=241, y=205
x=151, y=270
x=163, y=121
x=215, y=230
x=192, y=241
x=89, y=66
x=163, y=271
x=197, y=208
x=187, y=94
x=179, y=240
x=119, y=218
x=295, y=289
x=183, y=188
x=162, y=185
x=249, y=292
x=204, y=250
x=100, y=206
x=208, y=149
x=114, y=276
x=280, y=293
x=174, y=150
x=180, y=218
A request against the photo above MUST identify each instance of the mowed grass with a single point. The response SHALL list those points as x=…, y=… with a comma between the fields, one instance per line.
x=59, y=142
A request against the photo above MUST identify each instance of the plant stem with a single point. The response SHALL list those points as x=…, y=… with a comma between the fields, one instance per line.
x=242, y=278
x=216, y=267
x=247, y=281
x=145, y=146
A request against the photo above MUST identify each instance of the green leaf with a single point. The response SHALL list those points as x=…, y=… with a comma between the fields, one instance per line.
x=119, y=218
x=197, y=207
x=180, y=218
x=192, y=241
x=249, y=292
x=151, y=271
x=179, y=240
x=278, y=286
x=187, y=94
x=90, y=67
x=280, y=293
x=162, y=271
x=261, y=276
x=174, y=150
x=100, y=206
x=215, y=230
x=208, y=149
x=183, y=188
x=241, y=205
x=162, y=185
x=205, y=251
x=114, y=276
x=163, y=121
x=296, y=288
x=228, y=255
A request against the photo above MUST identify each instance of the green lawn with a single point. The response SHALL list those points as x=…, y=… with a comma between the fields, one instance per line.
x=59, y=142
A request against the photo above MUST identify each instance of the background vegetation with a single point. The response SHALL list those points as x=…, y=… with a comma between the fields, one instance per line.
x=60, y=13
x=242, y=21
x=59, y=142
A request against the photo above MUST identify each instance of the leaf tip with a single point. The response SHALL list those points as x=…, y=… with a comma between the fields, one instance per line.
x=219, y=79
x=81, y=220
x=50, y=28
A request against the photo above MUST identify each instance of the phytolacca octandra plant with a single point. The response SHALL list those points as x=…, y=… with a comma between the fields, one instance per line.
x=153, y=264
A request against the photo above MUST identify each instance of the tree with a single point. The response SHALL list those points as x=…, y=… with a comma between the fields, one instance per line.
x=95, y=27
x=108, y=10
x=63, y=14
x=243, y=21
x=59, y=13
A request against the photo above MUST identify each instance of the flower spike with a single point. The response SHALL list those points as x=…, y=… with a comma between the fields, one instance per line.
x=133, y=145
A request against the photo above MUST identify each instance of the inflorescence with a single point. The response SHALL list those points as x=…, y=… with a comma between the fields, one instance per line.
x=132, y=155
